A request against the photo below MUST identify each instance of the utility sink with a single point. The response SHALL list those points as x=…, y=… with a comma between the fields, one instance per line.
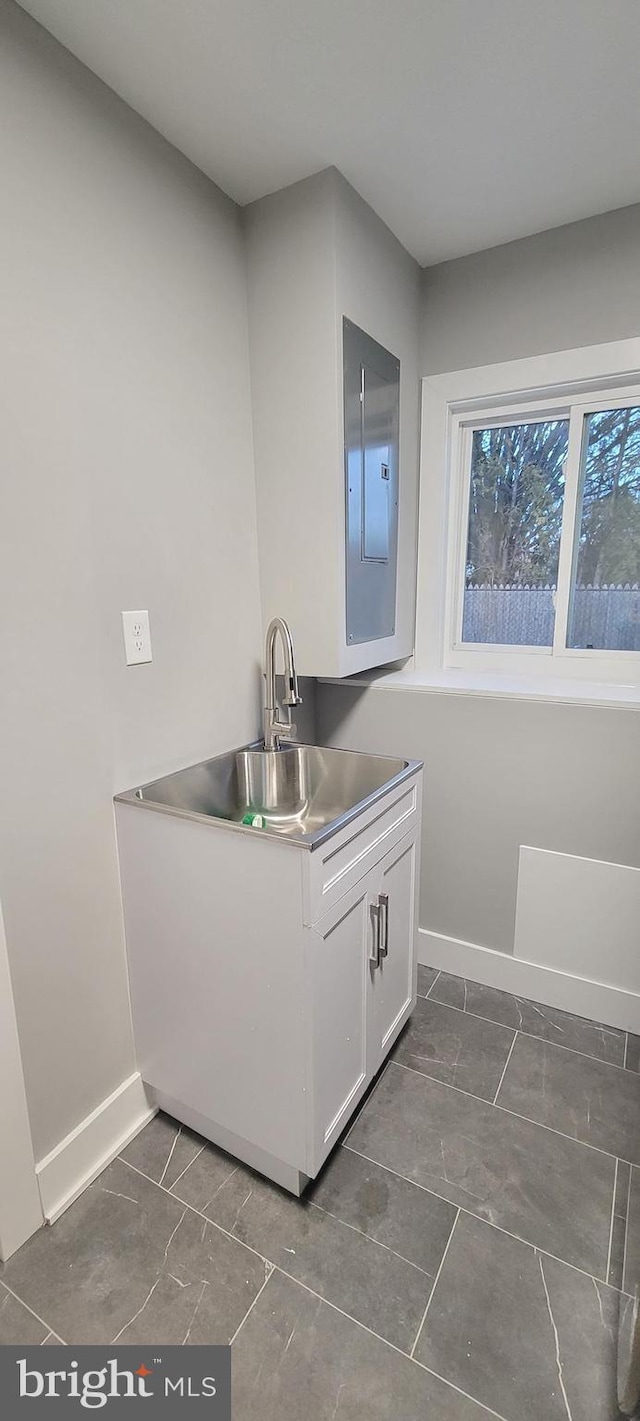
x=303, y=793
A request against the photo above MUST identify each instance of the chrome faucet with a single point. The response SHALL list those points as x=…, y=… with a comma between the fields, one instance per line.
x=274, y=729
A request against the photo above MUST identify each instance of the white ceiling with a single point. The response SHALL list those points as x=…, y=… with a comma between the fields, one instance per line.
x=464, y=123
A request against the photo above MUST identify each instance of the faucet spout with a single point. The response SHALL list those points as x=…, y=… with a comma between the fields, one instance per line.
x=274, y=728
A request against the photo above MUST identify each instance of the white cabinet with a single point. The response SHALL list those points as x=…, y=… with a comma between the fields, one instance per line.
x=337, y=556
x=361, y=966
x=269, y=982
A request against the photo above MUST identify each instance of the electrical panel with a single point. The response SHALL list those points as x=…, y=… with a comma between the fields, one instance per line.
x=371, y=431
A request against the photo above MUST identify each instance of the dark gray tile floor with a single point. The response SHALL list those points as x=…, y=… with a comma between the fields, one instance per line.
x=586, y=1099
x=632, y=1250
x=456, y=1048
x=459, y=1259
x=604, y=1043
x=493, y=1321
x=632, y=1058
x=552, y=1192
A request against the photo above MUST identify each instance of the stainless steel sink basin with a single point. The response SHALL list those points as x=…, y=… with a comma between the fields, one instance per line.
x=304, y=793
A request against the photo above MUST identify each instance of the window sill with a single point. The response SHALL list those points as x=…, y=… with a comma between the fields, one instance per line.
x=497, y=684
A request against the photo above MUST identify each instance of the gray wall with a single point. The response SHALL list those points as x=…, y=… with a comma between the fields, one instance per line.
x=498, y=773
x=127, y=482
x=576, y=285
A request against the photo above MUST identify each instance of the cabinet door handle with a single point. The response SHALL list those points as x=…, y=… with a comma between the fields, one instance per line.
x=376, y=942
x=383, y=917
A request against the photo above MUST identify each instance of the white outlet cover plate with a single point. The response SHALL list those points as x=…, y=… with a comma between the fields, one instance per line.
x=137, y=637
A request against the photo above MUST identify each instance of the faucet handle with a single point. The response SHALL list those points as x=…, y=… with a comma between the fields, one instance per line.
x=284, y=729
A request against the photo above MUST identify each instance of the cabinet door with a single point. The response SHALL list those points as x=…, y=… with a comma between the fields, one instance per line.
x=391, y=994
x=338, y=947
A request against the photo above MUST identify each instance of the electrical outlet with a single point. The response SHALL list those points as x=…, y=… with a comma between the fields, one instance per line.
x=137, y=637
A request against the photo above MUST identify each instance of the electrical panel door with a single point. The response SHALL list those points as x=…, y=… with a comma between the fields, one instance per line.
x=371, y=424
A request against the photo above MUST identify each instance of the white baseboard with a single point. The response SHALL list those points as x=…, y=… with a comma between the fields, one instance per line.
x=595, y=1000
x=88, y=1149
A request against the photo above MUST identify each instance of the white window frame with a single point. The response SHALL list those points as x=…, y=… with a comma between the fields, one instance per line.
x=563, y=384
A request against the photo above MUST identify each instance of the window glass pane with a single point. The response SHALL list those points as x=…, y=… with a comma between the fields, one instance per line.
x=515, y=521
x=605, y=596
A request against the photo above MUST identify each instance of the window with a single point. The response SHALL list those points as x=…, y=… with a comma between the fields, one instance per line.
x=604, y=609
x=522, y=512
x=529, y=540
x=516, y=495
x=543, y=549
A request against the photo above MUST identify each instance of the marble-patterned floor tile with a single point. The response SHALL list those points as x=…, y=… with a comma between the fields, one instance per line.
x=426, y=978
x=616, y=1252
x=623, y=1181
x=632, y=1254
x=363, y=1278
x=619, y=1224
x=128, y=1263
x=18, y=1326
x=407, y=1219
x=586, y=1099
x=526, y=1335
x=163, y=1149
x=632, y=1058
x=453, y=991
x=550, y=1191
x=455, y=1048
x=204, y=1177
x=297, y=1359
x=605, y=1043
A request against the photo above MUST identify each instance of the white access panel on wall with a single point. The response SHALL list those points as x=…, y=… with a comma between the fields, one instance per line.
x=580, y=916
